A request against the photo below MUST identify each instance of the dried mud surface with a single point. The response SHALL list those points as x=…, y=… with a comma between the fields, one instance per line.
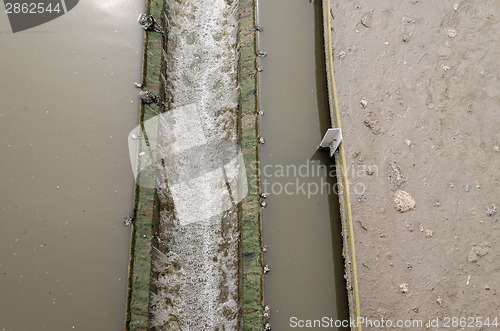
x=418, y=88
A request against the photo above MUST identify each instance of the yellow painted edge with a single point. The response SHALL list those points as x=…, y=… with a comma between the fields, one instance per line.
x=341, y=155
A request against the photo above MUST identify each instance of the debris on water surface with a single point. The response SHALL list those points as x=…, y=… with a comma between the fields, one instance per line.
x=148, y=97
x=149, y=23
x=127, y=220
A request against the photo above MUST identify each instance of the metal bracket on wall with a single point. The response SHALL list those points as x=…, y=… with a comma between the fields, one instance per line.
x=332, y=140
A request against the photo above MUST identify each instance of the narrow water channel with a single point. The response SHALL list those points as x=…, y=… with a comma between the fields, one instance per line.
x=68, y=103
x=301, y=226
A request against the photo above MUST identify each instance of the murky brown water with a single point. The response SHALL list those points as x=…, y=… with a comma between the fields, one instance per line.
x=68, y=103
x=301, y=226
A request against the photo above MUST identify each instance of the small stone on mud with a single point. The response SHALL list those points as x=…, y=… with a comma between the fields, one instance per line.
x=495, y=149
x=371, y=122
x=429, y=233
x=403, y=288
x=439, y=301
x=363, y=102
x=361, y=160
x=404, y=201
x=479, y=251
x=452, y=33
x=367, y=20
x=491, y=210
x=393, y=173
x=362, y=197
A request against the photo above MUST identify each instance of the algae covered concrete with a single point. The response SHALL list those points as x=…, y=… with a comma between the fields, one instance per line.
x=250, y=217
x=248, y=211
x=142, y=228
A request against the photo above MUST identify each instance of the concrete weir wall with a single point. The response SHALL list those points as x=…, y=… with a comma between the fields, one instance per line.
x=348, y=250
x=199, y=177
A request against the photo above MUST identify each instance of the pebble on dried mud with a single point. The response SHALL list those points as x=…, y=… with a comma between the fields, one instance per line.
x=491, y=210
x=404, y=201
x=478, y=251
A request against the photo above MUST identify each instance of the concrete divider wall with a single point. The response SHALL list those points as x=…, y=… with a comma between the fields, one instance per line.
x=146, y=226
x=342, y=179
x=196, y=253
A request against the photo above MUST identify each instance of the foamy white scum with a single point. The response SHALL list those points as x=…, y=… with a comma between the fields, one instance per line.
x=196, y=256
